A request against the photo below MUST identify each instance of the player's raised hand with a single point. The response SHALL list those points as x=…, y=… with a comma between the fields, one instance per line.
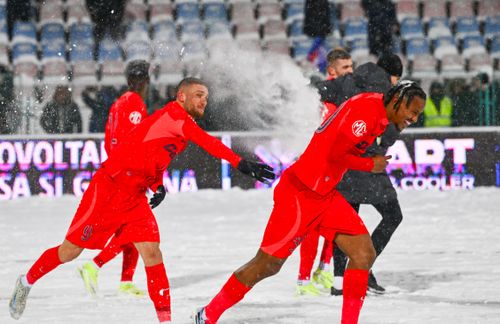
x=158, y=197
x=260, y=171
x=380, y=162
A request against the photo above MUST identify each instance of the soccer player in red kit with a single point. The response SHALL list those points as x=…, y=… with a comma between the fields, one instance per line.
x=339, y=64
x=115, y=201
x=305, y=198
x=125, y=113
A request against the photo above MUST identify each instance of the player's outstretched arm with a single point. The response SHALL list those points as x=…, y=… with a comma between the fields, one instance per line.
x=260, y=171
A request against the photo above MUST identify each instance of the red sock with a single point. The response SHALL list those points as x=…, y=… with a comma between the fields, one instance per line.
x=308, y=250
x=326, y=253
x=130, y=258
x=355, y=285
x=159, y=291
x=109, y=252
x=232, y=292
x=47, y=262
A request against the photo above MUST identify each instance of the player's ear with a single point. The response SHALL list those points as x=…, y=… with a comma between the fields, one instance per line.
x=181, y=96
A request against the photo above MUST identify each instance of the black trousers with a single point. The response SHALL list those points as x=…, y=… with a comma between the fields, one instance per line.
x=391, y=218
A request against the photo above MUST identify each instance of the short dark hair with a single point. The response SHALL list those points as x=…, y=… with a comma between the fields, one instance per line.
x=391, y=63
x=137, y=74
x=404, y=89
x=337, y=53
x=190, y=81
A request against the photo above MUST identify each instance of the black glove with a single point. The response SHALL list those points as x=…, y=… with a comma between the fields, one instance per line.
x=259, y=171
x=158, y=197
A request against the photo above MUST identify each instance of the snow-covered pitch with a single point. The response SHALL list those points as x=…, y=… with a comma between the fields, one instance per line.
x=442, y=265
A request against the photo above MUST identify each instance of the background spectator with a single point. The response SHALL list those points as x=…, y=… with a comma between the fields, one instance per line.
x=317, y=25
x=61, y=115
x=107, y=16
x=9, y=115
x=99, y=101
x=465, y=112
x=438, y=107
x=18, y=10
x=486, y=101
x=382, y=23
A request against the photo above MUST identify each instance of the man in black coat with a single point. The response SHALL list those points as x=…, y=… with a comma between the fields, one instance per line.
x=362, y=187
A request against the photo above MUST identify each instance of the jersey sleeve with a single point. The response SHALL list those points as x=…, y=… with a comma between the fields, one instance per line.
x=209, y=143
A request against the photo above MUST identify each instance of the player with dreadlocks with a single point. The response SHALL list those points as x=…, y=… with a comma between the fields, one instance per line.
x=306, y=199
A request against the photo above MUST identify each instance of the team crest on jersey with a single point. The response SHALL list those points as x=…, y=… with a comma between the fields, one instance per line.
x=135, y=117
x=359, y=128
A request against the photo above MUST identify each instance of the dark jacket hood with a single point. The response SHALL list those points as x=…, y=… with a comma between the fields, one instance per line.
x=370, y=77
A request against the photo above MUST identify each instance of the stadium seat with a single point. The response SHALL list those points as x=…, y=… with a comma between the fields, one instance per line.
x=495, y=47
x=135, y=10
x=466, y=26
x=461, y=8
x=293, y=12
x=138, y=50
x=453, y=66
x=24, y=32
x=192, y=31
x=193, y=56
x=247, y=30
x=439, y=27
x=417, y=47
x=53, y=51
x=51, y=13
x=355, y=28
x=77, y=14
x=300, y=49
x=268, y=11
x=55, y=72
x=52, y=33
x=3, y=12
x=134, y=36
x=434, y=9
x=25, y=61
x=473, y=45
x=480, y=63
x=4, y=36
x=242, y=12
x=164, y=30
x=161, y=11
x=81, y=52
x=187, y=12
x=488, y=8
x=249, y=45
x=4, y=54
x=411, y=27
x=351, y=10
x=217, y=31
x=296, y=30
x=492, y=26
x=24, y=52
x=215, y=12
x=406, y=9
x=444, y=46
x=424, y=66
x=81, y=33
x=359, y=48
x=109, y=50
x=274, y=29
x=278, y=46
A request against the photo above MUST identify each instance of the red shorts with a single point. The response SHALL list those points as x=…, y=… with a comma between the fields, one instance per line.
x=105, y=209
x=298, y=210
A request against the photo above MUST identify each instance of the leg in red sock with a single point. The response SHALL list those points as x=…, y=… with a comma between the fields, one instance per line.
x=47, y=262
x=130, y=258
x=159, y=291
x=308, y=250
x=355, y=285
x=232, y=292
x=108, y=253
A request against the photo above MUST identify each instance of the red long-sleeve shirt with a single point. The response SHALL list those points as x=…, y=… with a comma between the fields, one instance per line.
x=338, y=143
x=139, y=161
x=125, y=113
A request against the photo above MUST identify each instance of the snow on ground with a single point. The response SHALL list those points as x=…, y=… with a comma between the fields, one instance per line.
x=441, y=266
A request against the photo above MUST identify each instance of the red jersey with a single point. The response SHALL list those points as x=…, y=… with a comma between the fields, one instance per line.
x=125, y=113
x=145, y=153
x=338, y=143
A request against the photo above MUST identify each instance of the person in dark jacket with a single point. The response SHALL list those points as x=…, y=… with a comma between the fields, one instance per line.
x=99, y=102
x=318, y=26
x=61, y=115
x=382, y=24
x=362, y=187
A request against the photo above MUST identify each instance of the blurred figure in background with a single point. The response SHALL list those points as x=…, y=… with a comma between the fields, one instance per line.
x=317, y=25
x=382, y=24
x=99, y=101
x=486, y=99
x=107, y=16
x=9, y=115
x=465, y=110
x=438, y=107
x=61, y=114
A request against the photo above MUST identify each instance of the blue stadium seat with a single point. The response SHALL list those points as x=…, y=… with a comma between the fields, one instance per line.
x=81, y=52
x=187, y=12
x=300, y=48
x=296, y=30
x=194, y=52
x=411, y=27
x=444, y=46
x=164, y=31
x=138, y=50
x=215, y=12
x=219, y=30
x=293, y=12
x=109, y=50
x=495, y=47
x=492, y=27
x=466, y=26
x=24, y=32
x=53, y=51
x=355, y=28
x=473, y=45
x=81, y=33
x=4, y=36
x=138, y=25
x=3, y=12
x=192, y=31
x=52, y=32
x=24, y=52
x=417, y=46
x=359, y=47
x=438, y=27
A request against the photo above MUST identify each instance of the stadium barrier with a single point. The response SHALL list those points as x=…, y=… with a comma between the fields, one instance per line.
x=423, y=159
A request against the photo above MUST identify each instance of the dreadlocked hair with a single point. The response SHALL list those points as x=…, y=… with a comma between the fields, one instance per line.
x=404, y=88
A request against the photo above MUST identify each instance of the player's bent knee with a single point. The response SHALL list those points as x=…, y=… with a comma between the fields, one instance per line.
x=68, y=251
